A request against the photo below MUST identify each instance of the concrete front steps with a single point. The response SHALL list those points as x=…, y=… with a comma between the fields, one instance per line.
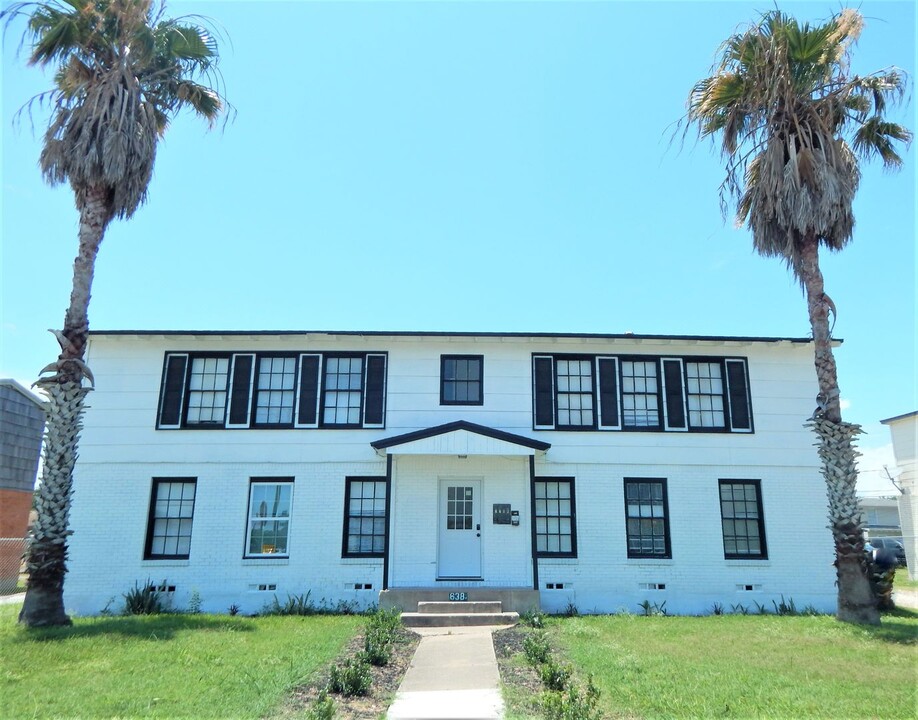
x=432, y=607
x=456, y=614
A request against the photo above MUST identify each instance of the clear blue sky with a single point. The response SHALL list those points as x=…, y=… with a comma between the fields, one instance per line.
x=479, y=166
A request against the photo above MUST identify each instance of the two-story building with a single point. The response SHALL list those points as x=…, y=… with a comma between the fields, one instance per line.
x=596, y=471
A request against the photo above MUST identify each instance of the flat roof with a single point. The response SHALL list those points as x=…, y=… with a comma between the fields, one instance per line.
x=423, y=333
x=899, y=417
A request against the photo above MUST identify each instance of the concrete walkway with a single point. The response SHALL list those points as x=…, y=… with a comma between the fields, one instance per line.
x=12, y=599
x=453, y=675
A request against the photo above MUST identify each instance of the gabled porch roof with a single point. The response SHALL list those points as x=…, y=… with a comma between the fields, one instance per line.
x=460, y=438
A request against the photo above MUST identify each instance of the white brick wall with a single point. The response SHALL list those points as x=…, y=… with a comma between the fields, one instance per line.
x=122, y=451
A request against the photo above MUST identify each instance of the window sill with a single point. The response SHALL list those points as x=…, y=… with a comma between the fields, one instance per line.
x=266, y=561
x=650, y=562
x=548, y=560
x=748, y=562
x=165, y=562
x=371, y=561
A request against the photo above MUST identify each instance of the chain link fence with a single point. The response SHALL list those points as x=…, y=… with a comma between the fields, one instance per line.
x=11, y=567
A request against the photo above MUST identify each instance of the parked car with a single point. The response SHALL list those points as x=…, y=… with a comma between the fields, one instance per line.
x=890, y=544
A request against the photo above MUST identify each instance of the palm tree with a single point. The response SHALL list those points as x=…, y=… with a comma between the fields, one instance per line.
x=793, y=122
x=123, y=71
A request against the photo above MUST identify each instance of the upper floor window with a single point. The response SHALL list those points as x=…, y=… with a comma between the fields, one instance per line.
x=273, y=390
x=632, y=392
x=461, y=379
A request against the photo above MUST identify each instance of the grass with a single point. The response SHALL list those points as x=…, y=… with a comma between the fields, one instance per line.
x=163, y=666
x=745, y=666
x=902, y=582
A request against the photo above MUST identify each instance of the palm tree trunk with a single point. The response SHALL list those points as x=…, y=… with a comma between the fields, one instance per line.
x=856, y=601
x=46, y=560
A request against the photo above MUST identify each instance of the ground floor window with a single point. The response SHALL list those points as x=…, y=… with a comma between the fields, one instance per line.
x=171, y=516
x=270, y=501
x=646, y=518
x=741, y=515
x=556, y=534
x=364, y=517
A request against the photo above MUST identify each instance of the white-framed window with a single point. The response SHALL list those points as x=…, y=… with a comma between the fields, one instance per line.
x=705, y=394
x=275, y=390
x=640, y=393
x=207, y=381
x=270, y=505
x=342, y=391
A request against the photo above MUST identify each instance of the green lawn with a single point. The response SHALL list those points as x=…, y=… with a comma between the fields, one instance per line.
x=162, y=666
x=746, y=666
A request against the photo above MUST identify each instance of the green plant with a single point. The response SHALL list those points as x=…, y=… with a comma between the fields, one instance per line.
x=351, y=678
x=323, y=708
x=293, y=605
x=717, y=609
x=534, y=618
x=760, y=609
x=571, y=610
x=233, y=609
x=391, y=620
x=653, y=609
x=144, y=600
x=575, y=703
x=194, y=603
x=739, y=609
x=536, y=647
x=785, y=608
x=555, y=675
x=377, y=646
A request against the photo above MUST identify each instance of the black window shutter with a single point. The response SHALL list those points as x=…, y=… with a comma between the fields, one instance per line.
x=239, y=393
x=675, y=410
x=170, y=406
x=309, y=389
x=376, y=382
x=608, y=393
x=544, y=397
x=740, y=415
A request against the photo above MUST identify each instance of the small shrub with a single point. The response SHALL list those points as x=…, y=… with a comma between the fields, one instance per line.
x=653, y=609
x=194, y=603
x=144, y=600
x=573, y=704
x=760, y=609
x=293, y=605
x=234, y=609
x=536, y=647
x=390, y=620
x=377, y=646
x=555, y=675
x=717, y=609
x=785, y=608
x=534, y=618
x=322, y=709
x=739, y=609
x=351, y=678
x=571, y=610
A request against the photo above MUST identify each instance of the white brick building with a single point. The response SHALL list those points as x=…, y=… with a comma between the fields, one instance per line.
x=600, y=470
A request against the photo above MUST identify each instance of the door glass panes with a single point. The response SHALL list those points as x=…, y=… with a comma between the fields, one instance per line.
x=343, y=385
x=575, y=392
x=207, y=390
x=705, y=394
x=640, y=394
x=274, y=404
x=459, y=503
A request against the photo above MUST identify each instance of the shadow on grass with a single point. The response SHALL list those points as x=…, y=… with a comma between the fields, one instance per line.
x=154, y=628
x=898, y=626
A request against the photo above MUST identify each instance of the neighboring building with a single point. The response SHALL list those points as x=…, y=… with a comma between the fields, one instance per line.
x=593, y=470
x=880, y=516
x=22, y=422
x=904, y=431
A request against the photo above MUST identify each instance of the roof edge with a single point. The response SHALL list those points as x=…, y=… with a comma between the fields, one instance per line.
x=437, y=333
x=460, y=425
x=899, y=417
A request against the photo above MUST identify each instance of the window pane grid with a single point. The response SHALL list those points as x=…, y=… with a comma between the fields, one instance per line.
x=366, y=517
x=459, y=501
x=574, y=380
x=640, y=398
x=173, y=510
x=554, y=513
x=269, y=513
x=207, y=390
x=274, y=403
x=461, y=381
x=741, y=518
x=343, y=386
x=705, y=394
x=645, y=514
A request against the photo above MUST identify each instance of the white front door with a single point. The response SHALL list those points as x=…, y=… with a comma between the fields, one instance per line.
x=459, y=551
